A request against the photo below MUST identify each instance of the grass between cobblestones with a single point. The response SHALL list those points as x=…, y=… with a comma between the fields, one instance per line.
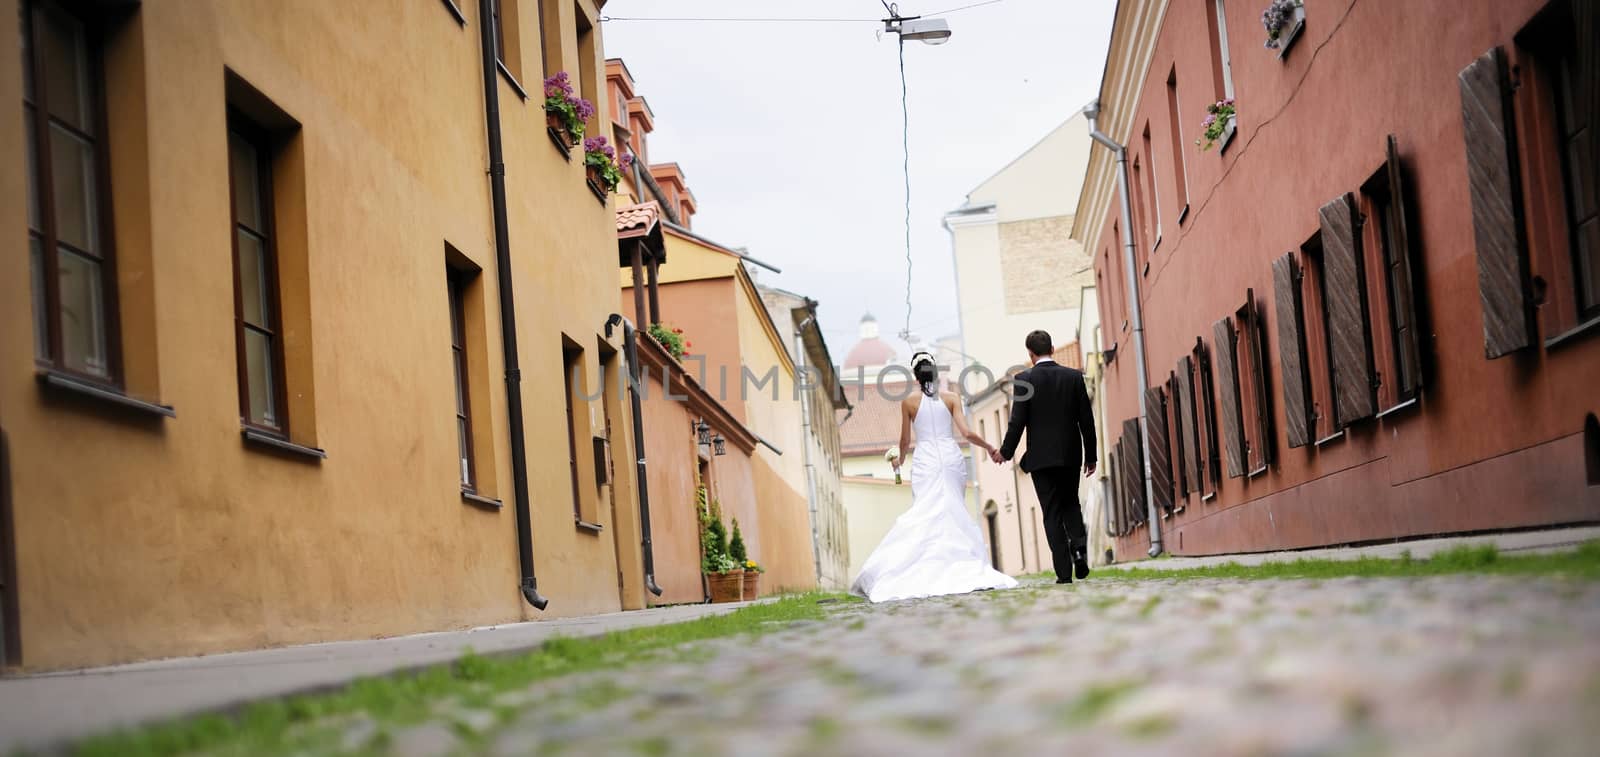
x=291, y=724
x=1584, y=562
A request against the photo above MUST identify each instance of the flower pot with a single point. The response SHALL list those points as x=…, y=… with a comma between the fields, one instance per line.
x=726, y=587
x=752, y=584
x=558, y=127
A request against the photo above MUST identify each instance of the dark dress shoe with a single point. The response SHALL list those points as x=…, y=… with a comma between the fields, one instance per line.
x=1064, y=580
x=1080, y=567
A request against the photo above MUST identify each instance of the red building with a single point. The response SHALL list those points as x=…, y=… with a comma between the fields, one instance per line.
x=1372, y=310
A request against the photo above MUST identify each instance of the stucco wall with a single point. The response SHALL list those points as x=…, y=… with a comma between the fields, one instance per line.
x=140, y=538
x=1493, y=443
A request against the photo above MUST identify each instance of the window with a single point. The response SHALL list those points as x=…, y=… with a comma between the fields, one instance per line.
x=588, y=59
x=1255, y=410
x=458, y=358
x=572, y=362
x=1225, y=354
x=1150, y=187
x=1180, y=169
x=69, y=229
x=508, y=39
x=1388, y=257
x=255, y=286
x=1319, y=364
x=1560, y=105
x=1221, y=64
x=1140, y=225
x=1209, y=457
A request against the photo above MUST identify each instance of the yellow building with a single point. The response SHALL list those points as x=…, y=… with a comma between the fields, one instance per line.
x=264, y=245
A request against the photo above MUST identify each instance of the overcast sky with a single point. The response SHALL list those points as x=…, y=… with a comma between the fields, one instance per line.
x=789, y=133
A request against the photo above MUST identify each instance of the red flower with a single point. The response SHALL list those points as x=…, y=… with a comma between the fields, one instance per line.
x=677, y=331
x=688, y=344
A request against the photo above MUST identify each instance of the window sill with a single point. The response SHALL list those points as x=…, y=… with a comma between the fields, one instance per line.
x=512, y=80
x=593, y=528
x=560, y=143
x=1407, y=405
x=1258, y=471
x=1330, y=438
x=64, y=382
x=1287, y=38
x=455, y=10
x=1586, y=328
x=1183, y=214
x=268, y=441
x=599, y=194
x=1227, y=134
x=477, y=500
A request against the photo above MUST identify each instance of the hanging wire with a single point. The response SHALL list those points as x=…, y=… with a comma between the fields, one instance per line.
x=905, y=146
x=892, y=8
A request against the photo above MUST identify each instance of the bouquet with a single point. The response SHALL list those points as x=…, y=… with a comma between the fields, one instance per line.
x=892, y=456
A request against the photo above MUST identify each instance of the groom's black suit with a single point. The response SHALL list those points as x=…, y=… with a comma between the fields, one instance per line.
x=1060, y=425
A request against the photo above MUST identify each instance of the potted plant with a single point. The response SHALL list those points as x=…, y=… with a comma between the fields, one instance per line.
x=671, y=339
x=565, y=113
x=1218, y=124
x=1283, y=20
x=752, y=579
x=724, y=577
x=604, y=168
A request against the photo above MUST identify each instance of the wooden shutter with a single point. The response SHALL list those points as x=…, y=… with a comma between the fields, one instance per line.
x=1346, y=290
x=1257, y=379
x=1135, y=468
x=1188, y=431
x=1228, y=396
x=1204, y=394
x=1180, y=482
x=1155, y=402
x=1402, y=282
x=1492, y=178
x=1292, y=351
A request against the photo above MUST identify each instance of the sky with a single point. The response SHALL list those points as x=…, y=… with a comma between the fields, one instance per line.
x=789, y=132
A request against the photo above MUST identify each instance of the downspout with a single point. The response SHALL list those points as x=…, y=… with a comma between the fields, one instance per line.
x=1135, y=311
x=529, y=585
x=805, y=440
x=630, y=353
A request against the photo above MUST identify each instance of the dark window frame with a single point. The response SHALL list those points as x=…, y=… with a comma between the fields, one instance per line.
x=571, y=355
x=262, y=141
x=1254, y=399
x=457, y=281
x=38, y=113
x=1206, y=419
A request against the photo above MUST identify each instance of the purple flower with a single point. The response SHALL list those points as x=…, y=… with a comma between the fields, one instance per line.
x=626, y=162
x=558, y=85
x=584, y=109
x=594, y=144
x=1211, y=119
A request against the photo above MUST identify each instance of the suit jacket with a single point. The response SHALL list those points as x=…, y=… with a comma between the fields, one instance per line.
x=1057, y=417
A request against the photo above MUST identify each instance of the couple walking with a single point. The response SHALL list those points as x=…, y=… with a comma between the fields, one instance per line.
x=935, y=547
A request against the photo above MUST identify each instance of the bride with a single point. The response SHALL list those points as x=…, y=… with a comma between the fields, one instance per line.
x=935, y=547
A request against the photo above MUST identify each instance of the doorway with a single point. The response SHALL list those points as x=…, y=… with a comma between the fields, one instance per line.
x=991, y=517
x=10, y=627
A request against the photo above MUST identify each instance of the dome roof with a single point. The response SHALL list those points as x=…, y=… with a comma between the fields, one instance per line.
x=868, y=317
x=869, y=353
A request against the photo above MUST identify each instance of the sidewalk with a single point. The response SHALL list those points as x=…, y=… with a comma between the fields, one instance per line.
x=1526, y=542
x=43, y=710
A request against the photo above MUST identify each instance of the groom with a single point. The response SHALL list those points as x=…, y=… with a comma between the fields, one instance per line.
x=1060, y=427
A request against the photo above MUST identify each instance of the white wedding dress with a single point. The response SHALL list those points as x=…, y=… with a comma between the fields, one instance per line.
x=935, y=547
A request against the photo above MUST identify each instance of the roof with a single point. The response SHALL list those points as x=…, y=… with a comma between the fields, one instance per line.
x=871, y=352
x=637, y=220
x=874, y=425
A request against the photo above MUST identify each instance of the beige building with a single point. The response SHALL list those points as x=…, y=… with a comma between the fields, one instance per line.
x=254, y=381
x=822, y=397
x=1016, y=267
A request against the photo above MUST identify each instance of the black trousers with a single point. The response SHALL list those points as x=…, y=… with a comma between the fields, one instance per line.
x=1063, y=517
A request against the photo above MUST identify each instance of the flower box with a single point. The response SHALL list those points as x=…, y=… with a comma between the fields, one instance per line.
x=752, y=584
x=1283, y=20
x=557, y=123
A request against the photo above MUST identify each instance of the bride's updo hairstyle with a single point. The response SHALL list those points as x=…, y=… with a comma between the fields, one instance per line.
x=926, y=372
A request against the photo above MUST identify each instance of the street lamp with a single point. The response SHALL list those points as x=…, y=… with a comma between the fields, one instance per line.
x=704, y=431
x=720, y=445
x=932, y=31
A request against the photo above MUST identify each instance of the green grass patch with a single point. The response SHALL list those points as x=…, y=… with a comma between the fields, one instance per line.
x=1095, y=701
x=291, y=724
x=1583, y=563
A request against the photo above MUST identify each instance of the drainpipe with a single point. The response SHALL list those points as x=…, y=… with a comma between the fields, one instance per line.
x=805, y=442
x=1135, y=310
x=529, y=585
x=630, y=353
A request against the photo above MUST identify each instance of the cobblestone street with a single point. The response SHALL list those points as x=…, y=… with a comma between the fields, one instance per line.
x=1442, y=666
